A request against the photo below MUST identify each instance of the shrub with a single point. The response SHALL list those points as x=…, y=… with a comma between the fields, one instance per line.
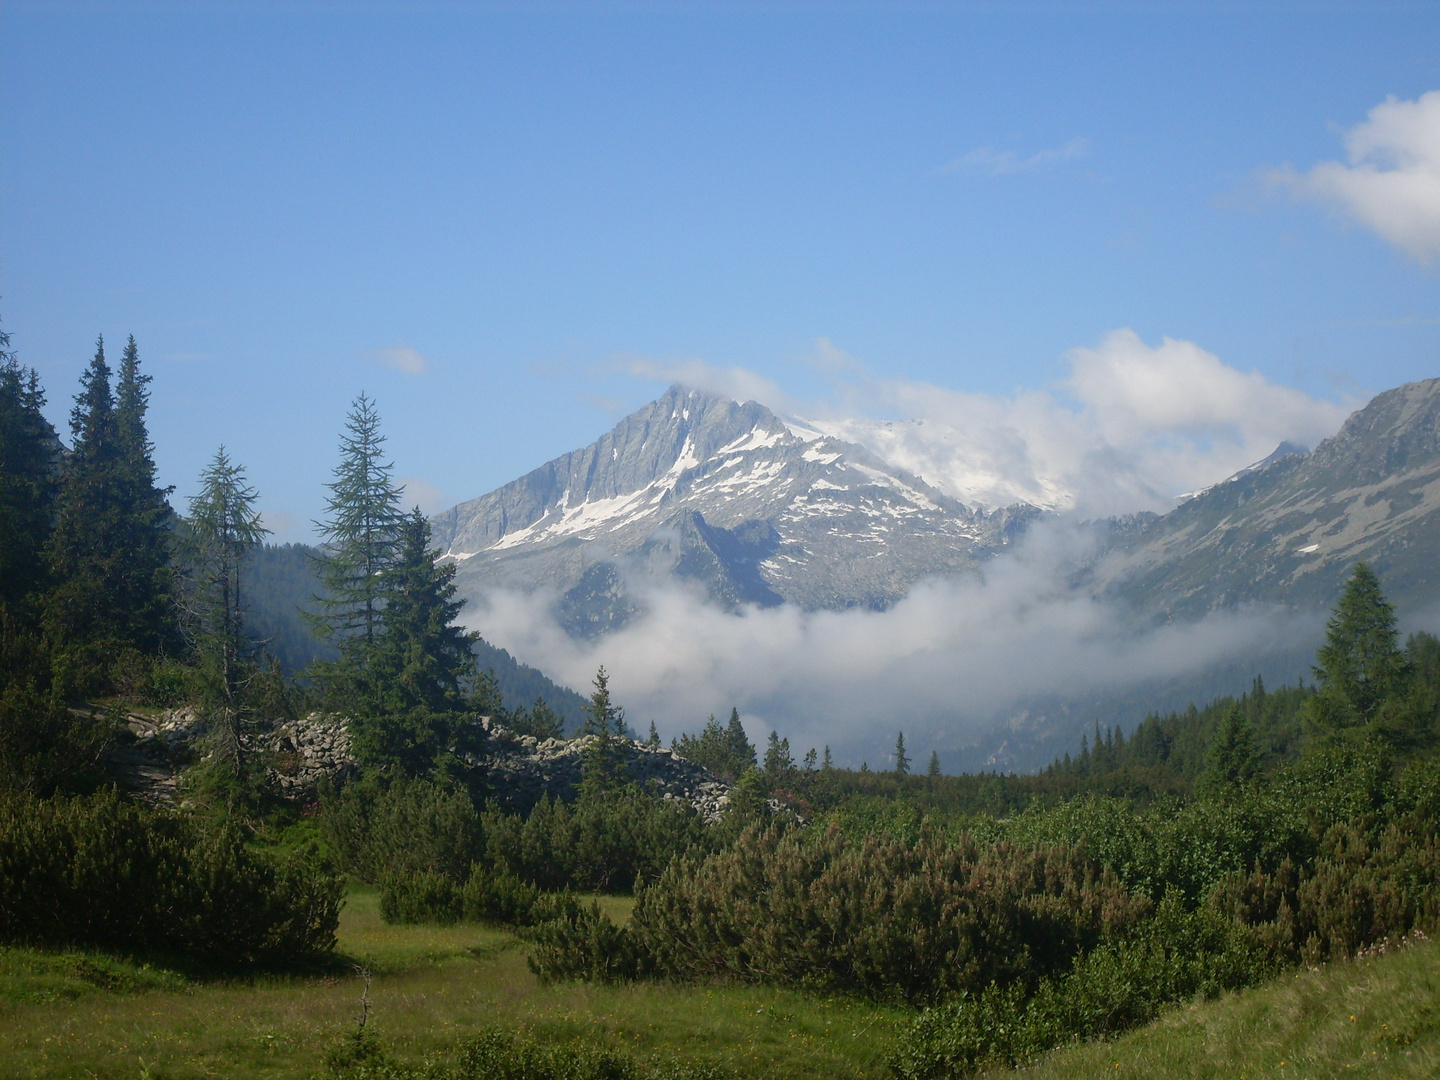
x=100, y=872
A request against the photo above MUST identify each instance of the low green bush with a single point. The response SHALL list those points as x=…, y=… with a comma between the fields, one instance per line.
x=99, y=872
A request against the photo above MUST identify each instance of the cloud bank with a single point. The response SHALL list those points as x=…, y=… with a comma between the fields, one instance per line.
x=1391, y=180
x=945, y=665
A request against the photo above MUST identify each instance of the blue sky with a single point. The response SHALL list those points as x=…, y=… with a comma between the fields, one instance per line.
x=486, y=215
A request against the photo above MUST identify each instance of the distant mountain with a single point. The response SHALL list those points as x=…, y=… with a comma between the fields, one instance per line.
x=1288, y=530
x=727, y=495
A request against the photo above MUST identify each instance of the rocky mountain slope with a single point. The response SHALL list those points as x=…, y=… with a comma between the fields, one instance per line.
x=1289, y=531
x=724, y=494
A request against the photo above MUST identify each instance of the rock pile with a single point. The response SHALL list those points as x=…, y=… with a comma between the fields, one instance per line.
x=519, y=769
x=299, y=755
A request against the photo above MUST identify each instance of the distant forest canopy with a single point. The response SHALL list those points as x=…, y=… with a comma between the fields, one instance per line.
x=283, y=585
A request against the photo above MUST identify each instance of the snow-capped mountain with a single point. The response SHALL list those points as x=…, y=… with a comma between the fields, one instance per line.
x=725, y=494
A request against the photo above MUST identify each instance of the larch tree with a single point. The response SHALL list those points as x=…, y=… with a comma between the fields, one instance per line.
x=359, y=542
x=224, y=527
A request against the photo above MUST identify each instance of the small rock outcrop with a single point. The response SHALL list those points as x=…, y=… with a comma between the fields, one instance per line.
x=299, y=755
x=519, y=770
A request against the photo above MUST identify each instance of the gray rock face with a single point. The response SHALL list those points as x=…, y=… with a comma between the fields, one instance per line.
x=1289, y=531
x=520, y=770
x=725, y=494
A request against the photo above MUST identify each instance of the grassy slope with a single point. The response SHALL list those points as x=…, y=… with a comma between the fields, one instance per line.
x=432, y=987
x=1373, y=1017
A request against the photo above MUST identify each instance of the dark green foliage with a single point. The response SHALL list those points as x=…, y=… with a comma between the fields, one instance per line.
x=779, y=764
x=724, y=751
x=1173, y=957
x=605, y=842
x=539, y=721
x=1360, y=665
x=1231, y=761
x=29, y=472
x=410, y=687
x=881, y=917
x=98, y=872
x=108, y=551
x=402, y=827
x=604, y=723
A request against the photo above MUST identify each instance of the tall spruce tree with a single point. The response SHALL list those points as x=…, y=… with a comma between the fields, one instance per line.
x=1361, y=663
x=29, y=475
x=224, y=527
x=86, y=547
x=902, y=760
x=742, y=750
x=420, y=664
x=147, y=586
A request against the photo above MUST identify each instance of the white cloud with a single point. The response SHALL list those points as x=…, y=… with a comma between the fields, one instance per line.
x=943, y=664
x=403, y=359
x=1132, y=427
x=422, y=493
x=1391, y=183
x=1004, y=162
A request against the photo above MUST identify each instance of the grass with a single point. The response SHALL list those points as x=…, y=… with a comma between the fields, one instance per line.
x=71, y=1014
x=1373, y=1017
x=432, y=987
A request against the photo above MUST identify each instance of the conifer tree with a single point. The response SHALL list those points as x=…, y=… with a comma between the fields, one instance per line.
x=902, y=761
x=359, y=536
x=654, y=740
x=934, y=769
x=810, y=758
x=742, y=750
x=86, y=547
x=1231, y=760
x=778, y=762
x=420, y=663
x=147, y=586
x=29, y=475
x=605, y=721
x=827, y=763
x=1361, y=663
x=224, y=527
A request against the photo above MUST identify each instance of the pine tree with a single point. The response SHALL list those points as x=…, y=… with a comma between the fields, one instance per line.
x=934, y=769
x=810, y=758
x=654, y=740
x=360, y=537
x=29, y=477
x=827, y=763
x=1361, y=663
x=419, y=665
x=902, y=761
x=224, y=527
